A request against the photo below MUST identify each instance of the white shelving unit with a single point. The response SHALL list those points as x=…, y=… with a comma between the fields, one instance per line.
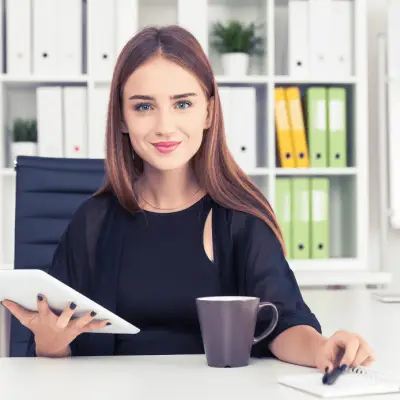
x=348, y=263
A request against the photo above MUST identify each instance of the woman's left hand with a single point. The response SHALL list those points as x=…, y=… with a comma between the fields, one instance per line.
x=344, y=348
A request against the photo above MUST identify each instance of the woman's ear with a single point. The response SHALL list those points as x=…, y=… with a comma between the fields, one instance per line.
x=122, y=127
x=210, y=112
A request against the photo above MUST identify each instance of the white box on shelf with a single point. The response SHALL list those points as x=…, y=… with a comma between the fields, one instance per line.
x=98, y=114
x=342, y=37
x=49, y=121
x=18, y=37
x=298, y=40
x=45, y=44
x=127, y=15
x=70, y=27
x=75, y=122
x=192, y=15
x=320, y=37
x=102, y=33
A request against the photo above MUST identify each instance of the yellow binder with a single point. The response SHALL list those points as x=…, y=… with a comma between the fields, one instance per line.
x=296, y=120
x=283, y=132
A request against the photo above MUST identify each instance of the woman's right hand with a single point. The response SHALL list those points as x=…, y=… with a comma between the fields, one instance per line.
x=53, y=333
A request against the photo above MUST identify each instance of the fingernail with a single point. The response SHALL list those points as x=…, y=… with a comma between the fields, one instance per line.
x=72, y=306
x=40, y=297
x=326, y=369
x=92, y=314
x=343, y=367
x=108, y=323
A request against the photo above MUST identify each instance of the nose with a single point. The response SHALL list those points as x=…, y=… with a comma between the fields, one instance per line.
x=165, y=122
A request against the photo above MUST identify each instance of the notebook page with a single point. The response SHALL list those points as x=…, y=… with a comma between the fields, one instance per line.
x=348, y=384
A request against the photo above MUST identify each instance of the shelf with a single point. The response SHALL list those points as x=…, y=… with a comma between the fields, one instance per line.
x=316, y=171
x=341, y=278
x=284, y=79
x=247, y=79
x=31, y=79
x=330, y=264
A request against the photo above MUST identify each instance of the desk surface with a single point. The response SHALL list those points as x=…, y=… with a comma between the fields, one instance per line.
x=188, y=377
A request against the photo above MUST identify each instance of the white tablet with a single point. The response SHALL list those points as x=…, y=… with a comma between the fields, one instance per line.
x=23, y=285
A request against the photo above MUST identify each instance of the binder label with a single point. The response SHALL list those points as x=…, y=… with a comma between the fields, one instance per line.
x=336, y=117
x=281, y=109
x=319, y=205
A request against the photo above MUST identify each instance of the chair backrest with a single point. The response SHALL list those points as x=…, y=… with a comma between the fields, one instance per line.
x=48, y=192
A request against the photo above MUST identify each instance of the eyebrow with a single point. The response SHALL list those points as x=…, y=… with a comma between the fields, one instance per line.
x=175, y=97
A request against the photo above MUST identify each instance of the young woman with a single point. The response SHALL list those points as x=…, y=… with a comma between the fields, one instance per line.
x=175, y=220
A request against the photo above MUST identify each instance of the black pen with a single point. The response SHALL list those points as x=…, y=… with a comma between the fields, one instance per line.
x=330, y=378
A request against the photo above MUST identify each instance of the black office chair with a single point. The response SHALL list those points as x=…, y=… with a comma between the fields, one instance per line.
x=48, y=192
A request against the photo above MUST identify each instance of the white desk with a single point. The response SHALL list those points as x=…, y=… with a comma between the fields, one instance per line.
x=188, y=377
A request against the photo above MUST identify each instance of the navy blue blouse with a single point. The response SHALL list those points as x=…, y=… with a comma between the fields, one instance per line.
x=96, y=251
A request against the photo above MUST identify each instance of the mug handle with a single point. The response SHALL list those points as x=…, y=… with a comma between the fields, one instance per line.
x=273, y=323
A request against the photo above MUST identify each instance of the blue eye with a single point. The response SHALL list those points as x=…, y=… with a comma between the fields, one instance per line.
x=184, y=104
x=142, y=107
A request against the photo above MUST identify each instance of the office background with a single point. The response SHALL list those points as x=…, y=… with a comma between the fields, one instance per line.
x=353, y=243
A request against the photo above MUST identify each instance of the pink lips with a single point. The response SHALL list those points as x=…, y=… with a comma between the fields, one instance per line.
x=166, y=147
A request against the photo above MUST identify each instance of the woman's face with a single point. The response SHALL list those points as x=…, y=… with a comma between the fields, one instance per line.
x=165, y=112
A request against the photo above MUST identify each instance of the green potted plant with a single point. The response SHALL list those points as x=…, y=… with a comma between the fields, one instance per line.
x=23, y=137
x=236, y=42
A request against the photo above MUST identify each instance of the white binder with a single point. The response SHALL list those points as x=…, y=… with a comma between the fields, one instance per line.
x=224, y=95
x=243, y=134
x=102, y=38
x=49, y=121
x=45, y=44
x=75, y=122
x=239, y=113
x=342, y=38
x=69, y=37
x=18, y=37
x=192, y=15
x=127, y=14
x=320, y=37
x=97, y=130
x=298, y=41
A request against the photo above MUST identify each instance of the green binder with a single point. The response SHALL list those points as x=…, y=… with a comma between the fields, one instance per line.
x=317, y=126
x=319, y=218
x=283, y=211
x=337, y=129
x=301, y=218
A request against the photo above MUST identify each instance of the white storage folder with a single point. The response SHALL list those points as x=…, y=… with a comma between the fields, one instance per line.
x=102, y=38
x=192, y=15
x=75, y=122
x=18, y=37
x=49, y=121
x=97, y=129
x=298, y=40
x=239, y=113
x=127, y=15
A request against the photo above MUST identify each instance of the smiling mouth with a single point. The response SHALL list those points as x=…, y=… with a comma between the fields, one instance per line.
x=166, y=147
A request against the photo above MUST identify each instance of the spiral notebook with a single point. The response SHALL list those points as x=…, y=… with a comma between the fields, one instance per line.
x=353, y=382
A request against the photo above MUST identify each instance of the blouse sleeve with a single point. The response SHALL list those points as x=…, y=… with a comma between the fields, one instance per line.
x=268, y=276
x=71, y=259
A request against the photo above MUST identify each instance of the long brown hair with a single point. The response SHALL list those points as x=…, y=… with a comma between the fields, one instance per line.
x=216, y=170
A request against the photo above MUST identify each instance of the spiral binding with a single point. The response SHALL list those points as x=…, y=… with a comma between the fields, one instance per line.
x=369, y=373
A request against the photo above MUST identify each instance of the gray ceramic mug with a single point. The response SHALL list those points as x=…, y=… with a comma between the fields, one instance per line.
x=227, y=326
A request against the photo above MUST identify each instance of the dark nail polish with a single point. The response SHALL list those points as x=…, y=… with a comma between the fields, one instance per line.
x=326, y=369
x=108, y=323
x=93, y=314
x=40, y=298
x=72, y=306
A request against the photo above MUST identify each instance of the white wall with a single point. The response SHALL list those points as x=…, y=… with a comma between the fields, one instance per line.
x=377, y=25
